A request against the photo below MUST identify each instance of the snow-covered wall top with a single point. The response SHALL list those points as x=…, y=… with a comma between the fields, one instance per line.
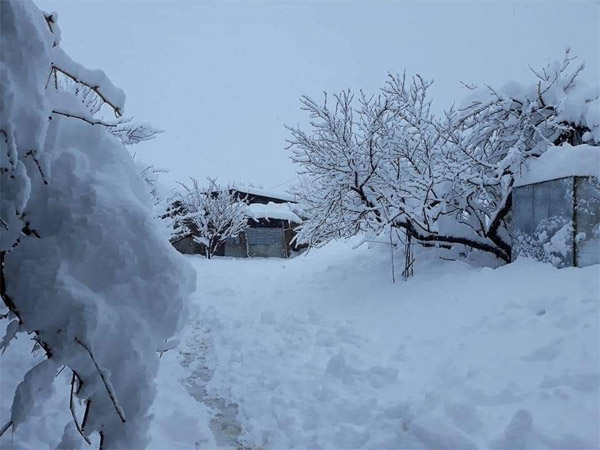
x=272, y=211
x=560, y=162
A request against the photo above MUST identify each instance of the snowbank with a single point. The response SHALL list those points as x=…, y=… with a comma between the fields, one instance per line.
x=560, y=162
x=323, y=351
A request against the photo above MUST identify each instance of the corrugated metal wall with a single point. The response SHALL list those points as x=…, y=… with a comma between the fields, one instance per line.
x=266, y=242
x=587, y=222
x=557, y=221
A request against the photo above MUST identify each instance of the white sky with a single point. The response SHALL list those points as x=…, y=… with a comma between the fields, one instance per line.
x=222, y=78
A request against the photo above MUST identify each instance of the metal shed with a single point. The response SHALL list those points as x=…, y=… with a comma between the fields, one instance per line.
x=556, y=209
x=269, y=234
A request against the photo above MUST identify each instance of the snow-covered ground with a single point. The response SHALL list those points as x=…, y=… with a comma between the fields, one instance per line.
x=323, y=351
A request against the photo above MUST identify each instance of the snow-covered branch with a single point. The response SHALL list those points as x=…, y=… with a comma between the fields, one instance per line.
x=84, y=270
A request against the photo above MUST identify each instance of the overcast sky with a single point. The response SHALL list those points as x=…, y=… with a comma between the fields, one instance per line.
x=222, y=78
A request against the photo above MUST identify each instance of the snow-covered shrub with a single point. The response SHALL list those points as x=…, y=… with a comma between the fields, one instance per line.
x=210, y=215
x=387, y=161
x=551, y=241
x=85, y=271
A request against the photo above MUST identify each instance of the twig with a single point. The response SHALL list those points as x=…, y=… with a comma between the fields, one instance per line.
x=30, y=153
x=392, y=254
x=8, y=301
x=60, y=371
x=111, y=394
x=28, y=231
x=6, y=426
x=93, y=88
x=43, y=345
x=72, y=408
x=90, y=121
x=88, y=405
x=49, y=77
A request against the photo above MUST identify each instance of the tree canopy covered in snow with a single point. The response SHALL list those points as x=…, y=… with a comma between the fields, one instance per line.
x=375, y=162
x=85, y=270
x=211, y=214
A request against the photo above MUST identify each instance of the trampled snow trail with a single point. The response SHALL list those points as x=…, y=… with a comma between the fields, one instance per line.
x=324, y=351
x=224, y=422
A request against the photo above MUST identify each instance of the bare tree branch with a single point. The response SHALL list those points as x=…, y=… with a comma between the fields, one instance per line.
x=111, y=394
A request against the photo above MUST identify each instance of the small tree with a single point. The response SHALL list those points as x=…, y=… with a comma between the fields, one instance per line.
x=210, y=215
x=386, y=160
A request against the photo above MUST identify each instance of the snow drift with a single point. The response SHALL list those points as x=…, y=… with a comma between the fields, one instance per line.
x=323, y=351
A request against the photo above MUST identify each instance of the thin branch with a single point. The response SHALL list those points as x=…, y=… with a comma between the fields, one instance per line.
x=90, y=121
x=52, y=72
x=60, y=371
x=6, y=426
x=31, y=153
x=72, y=408
x=111, y=394
x=50, y=21
x=93, y=88
x=88, y=405
x=8, y=301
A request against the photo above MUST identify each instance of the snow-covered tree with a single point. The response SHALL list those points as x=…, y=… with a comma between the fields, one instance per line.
x=211, y=215
x=387, y=161
x=84, y=269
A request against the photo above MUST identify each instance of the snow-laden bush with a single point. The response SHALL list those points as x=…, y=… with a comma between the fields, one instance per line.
x=210, y=215
x=551, y=241
x=85, y=271
x=386, y=161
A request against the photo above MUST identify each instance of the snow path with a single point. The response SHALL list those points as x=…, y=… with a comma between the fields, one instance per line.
x=324, y=351
x=224, y=422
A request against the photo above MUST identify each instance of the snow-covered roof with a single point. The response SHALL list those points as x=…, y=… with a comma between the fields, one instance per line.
x=272, y=211
x=265, y=193
x=561, y=162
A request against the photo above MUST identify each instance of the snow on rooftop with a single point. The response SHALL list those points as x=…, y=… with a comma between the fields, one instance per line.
x=561, y=162
x=265, y=193
x=272, y=211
